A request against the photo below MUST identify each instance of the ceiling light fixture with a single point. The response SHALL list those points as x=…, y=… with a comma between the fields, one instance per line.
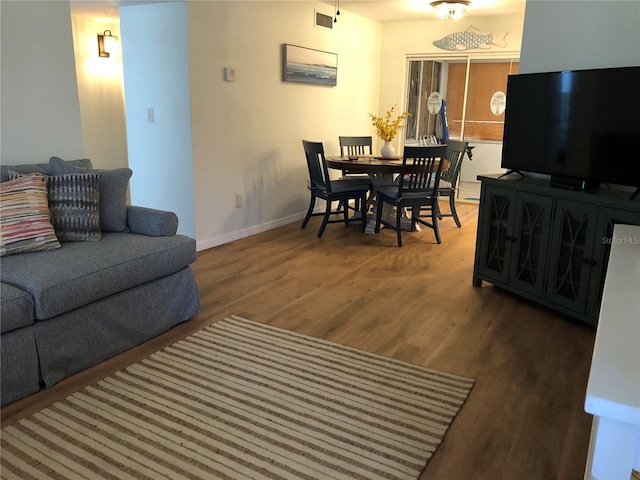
x=450, y=9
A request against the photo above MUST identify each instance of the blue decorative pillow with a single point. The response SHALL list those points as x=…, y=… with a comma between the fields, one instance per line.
x=113, y=193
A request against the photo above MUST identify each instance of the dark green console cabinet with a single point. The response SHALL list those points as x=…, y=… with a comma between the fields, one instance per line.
x=548, y=244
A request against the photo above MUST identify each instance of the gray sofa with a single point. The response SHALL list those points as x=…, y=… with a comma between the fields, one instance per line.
x=64, y=310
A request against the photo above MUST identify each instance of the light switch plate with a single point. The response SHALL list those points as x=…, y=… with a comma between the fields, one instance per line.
x=230, y=74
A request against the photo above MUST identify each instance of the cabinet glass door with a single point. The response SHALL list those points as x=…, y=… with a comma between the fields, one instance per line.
x=571, y=249
x=530, y=239
x=497, y=207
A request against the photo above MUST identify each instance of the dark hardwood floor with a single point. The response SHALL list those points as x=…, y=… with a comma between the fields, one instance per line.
x=524, y=417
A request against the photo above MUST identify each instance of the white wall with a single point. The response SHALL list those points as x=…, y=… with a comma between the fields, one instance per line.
x=101, y=94
x=247, y=134
x=155, y=55
x=573, y=35
x=40, y=113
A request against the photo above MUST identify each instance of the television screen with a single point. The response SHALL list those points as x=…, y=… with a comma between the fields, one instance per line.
x=582, y=124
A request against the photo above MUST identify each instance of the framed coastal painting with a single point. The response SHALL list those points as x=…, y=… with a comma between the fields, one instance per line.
x=306, y=65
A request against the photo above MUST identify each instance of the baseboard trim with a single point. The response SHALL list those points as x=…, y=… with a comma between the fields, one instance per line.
x=249, y=231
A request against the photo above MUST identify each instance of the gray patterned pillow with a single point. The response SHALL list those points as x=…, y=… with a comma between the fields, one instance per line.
x=113, y=192
x=74, y=202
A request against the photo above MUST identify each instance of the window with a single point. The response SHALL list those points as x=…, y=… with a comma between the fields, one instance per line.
x=474, y=92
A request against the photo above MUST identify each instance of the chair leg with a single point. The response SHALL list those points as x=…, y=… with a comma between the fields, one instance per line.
x=415, y=216
x=452, y=205
x=363, y=211
x=325, y=219
x=312, y=205
x=398, y=225
x=345, y=204
x=379, y=206
x=345, y=215
x=434, y=220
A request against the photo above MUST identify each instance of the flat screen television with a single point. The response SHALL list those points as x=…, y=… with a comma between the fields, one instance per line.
x=582, y=126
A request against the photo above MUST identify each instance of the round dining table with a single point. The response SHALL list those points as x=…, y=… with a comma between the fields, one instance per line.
x=382, y=171
x=366, y=164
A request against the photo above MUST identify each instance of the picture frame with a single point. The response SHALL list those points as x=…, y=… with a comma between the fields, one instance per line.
x=308, y=65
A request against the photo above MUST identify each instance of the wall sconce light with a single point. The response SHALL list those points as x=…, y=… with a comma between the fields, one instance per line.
x=107, y=44
x=450, y=9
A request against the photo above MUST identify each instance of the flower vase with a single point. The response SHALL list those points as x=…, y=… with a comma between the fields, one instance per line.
x=387, y=150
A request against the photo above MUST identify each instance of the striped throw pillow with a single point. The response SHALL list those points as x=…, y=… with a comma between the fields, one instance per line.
x=25, y=217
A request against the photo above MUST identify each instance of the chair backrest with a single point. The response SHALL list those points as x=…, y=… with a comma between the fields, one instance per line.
x=425, y=140
x=317, y=165
x=455, y=155
x=421, y=169
x=356, y=146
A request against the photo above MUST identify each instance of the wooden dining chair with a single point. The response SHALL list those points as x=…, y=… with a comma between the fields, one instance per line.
x=350, y=146
x=425, y=140
x=417, y=189
x=355, y=146
x=322, y=186
x=449, y=180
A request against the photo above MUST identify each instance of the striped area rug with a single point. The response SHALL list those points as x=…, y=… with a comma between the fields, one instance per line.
x=239, y=400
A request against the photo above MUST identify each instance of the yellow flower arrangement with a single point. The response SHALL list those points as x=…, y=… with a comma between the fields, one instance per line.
x=385, y=127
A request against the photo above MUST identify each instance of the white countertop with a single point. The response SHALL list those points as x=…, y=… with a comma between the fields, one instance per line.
x=613, y=390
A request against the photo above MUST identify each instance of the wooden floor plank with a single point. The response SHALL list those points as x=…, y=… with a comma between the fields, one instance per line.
x=524, y=417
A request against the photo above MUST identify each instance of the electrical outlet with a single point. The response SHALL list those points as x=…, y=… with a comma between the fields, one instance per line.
x=238, y=200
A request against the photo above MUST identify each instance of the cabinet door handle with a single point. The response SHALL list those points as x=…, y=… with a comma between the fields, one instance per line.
x=507, y=238
x=586, y=261
x=593, y=263
x=514, y=239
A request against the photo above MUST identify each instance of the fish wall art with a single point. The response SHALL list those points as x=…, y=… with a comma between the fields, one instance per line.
x=471, y=39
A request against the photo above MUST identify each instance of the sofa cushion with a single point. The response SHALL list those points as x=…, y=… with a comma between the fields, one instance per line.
x=113, y=192
x=16, y=306
x=25, y=224
x=79, y=273
x=43, y=168
x=74, y=203
x=112, y=325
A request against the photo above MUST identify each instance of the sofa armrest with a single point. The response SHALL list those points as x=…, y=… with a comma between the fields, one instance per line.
x=151, y=222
